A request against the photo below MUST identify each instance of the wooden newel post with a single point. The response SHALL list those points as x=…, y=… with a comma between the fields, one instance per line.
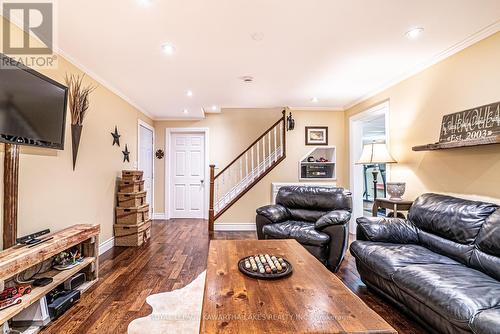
x=211, y=213
x=10, y=194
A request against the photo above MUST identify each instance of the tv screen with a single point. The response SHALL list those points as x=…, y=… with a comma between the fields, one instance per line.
x=32, y=107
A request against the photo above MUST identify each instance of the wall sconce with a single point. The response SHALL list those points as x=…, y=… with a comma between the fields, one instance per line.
x=290, y=122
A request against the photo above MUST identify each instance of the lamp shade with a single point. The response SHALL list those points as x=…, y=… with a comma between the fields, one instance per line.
x=375, y=153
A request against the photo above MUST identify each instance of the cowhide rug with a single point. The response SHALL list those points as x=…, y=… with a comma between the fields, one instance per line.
x=177, y=311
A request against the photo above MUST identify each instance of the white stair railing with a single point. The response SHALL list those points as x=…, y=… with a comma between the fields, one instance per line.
x=246, y=169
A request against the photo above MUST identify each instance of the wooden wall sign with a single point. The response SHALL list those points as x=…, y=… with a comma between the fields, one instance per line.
x=477, y=123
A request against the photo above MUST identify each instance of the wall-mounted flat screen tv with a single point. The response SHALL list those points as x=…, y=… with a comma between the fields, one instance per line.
x=32, y=107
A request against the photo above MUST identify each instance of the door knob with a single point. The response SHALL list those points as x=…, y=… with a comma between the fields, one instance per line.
x=202, y=181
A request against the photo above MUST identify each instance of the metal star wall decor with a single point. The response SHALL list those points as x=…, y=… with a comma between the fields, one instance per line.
x=126, y=154
x=116, y=137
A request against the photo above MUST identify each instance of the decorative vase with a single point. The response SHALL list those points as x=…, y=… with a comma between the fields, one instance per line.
x=396, y=190
x=76, y=133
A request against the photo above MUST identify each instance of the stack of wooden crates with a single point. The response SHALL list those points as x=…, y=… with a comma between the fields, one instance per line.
x=133, y=226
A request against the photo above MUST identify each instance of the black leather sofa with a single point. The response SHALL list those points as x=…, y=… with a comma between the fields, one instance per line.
x=317, y=217
x=442, y=265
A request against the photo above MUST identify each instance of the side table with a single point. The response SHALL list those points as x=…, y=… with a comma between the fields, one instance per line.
x=395, y=205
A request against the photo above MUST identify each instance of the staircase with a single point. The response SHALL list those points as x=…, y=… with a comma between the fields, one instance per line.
x=246, y=170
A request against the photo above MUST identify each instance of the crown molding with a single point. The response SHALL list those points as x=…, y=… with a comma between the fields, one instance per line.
x=102, y=82
x=315, y=108
x=178, y=119
x=18, y=23
x=473, y=39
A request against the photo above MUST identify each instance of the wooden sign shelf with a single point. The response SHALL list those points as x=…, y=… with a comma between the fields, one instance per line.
x=458, y=144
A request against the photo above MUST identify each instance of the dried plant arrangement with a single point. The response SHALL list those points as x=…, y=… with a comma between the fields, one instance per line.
x=78, y=106
x=78, y=97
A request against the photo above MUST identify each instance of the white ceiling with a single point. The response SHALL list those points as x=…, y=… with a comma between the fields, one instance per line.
x=337, y=51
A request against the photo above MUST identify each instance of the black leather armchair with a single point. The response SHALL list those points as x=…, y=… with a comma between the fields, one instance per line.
x=317, y=217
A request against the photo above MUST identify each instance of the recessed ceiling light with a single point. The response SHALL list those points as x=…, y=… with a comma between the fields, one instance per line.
x=257, y=36
x=314, y=100
x=247, y=78
x=185, y=111
x=168, y=48
x=189, y=93
x=414, y=33
x=214, y=107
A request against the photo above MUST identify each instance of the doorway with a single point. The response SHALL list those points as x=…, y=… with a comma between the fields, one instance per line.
x=187, y=169
x=145, y=159
x=364, y=128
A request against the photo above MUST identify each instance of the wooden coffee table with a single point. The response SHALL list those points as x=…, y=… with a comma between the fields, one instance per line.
x=311, y=300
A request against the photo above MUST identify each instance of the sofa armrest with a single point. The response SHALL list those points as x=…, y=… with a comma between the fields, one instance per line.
x=275, y=213
x=336, y=217
x=393, y=230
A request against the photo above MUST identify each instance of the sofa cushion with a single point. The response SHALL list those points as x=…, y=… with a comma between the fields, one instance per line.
x=384, y=258
x=486, y=256
x=453, y=291
x=303, y=232
x=306, y=215
x=489, y=235
x=486, y=321
x=452, y=249
x=337, y=217
x=455, y=219
x=314, y=198
x=392, y=230
x=275, y=213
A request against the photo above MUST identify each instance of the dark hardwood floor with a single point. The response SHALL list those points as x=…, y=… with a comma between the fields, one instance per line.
x=176, y=254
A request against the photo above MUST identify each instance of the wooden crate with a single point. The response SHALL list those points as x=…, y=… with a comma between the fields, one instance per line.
x=132, y=216
x=132, y=175
x=127, y=186
x=131, y=200
x=132, y=235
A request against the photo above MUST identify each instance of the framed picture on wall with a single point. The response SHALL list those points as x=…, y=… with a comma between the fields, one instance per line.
x=316, y=135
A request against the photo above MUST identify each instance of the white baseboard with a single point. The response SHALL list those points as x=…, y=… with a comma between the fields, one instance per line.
x=106, y=245
x=235, y=227
x=159, y=215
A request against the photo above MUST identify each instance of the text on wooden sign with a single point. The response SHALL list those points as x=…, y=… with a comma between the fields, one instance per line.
x=476, y=123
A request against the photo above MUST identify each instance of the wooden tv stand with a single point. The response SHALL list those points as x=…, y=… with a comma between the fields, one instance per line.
x=19, y=258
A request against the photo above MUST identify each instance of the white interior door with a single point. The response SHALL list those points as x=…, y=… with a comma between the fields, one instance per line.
x=146, y=159
x=187, y=170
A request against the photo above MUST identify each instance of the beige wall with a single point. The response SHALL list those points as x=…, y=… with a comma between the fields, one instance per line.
x=233, y=130
x=465, y=80
x=51, y=194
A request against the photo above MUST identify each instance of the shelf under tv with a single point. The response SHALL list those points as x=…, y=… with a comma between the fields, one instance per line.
x=39, y=292
x=19, y=258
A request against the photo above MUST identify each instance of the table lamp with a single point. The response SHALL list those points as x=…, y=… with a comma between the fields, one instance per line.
x=375, y=154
